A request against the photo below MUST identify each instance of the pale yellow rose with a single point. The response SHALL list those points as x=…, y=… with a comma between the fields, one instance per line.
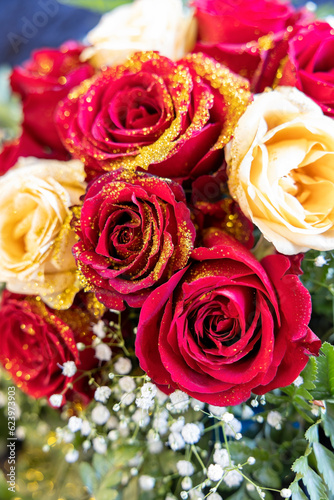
x=281, y=170
x=160, y=25
x=35, y=235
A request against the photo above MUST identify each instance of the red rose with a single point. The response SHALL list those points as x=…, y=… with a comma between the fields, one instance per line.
x=169, y=118
x=213, y=206
x=135, y=232
x=226, y=325
x=310, y=65
x=42, y=82
x=36, y=341
x=246, y=36
x=25, y=145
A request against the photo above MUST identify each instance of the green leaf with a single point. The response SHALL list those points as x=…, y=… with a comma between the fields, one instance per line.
x=101, y=464
x=131, y=490
x=96, y=5
x=328, y=422
x=106, y=495
x=112, y=479
x=309, y=374
x=300, y=465
x=325, y=464
x=267, y=477
x=325, y=376
x=88, y=477
x=312, y=434
x=315, y=487
x=297, y=492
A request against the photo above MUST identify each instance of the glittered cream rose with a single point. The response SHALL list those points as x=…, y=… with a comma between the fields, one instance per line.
x=160, y=25
x=35, y=235
x=281, y=170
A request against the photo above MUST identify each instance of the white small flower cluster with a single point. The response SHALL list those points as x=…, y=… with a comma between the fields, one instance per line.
x=148, y=393
x=274, y=419
x=223, y=468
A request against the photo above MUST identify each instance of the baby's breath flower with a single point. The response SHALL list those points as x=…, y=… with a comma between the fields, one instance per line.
x=141, y=418
x=233, y=479
x=221, y=457
x=69, y=369
x=214, y=496
x=299, y=381
x=274, y=419
x=186, y=483
x=233, y=427
x=123, y=366
x=191, y=433
x=74, y=424
x=145, y=403
x=227, y=417
x=176, y=441
x=127, y=384
x=286, y=493
x=319, y=261
x=215, y=472
x=148, y=390
x=56, y=400
x=251, y=460
x=72, y=456
x=100, y=414
x=103, y=352
x=247, y=412
x=128, y=399
x=146, y=483
x=99, y=329
x=218, y=411
x=86, y=445
x=179, y=401
x=100, y=445
x=185, y=468
x=102, y=394
x=196, y=404
x=178, y=425
x=161, y=397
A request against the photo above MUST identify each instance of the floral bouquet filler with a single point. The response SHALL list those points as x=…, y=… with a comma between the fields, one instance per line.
x=166, y=225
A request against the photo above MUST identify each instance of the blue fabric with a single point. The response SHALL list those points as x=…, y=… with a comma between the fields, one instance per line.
x=26, y=25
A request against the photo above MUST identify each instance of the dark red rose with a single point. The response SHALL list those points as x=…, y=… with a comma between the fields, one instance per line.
x=35, y=342
x=246, y=36
x=226, y=325
x=310, y=65
x=213, y=207
x=42, y=82
x=25, y=145
x=135, y=232
x=171, y=119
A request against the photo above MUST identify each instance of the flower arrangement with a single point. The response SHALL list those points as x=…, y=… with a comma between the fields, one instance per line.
x=167, y=251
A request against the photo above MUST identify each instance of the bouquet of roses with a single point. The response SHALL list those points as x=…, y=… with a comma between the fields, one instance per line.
x=173, y=174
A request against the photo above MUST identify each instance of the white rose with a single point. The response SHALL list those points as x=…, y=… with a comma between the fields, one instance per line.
x=143, y=25
x=281, y=170
x=35, y=235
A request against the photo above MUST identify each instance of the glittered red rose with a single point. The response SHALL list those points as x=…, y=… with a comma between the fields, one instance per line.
x=42, y=82
x=171, y=119
x=227, y=325
x=36, y=341
x=248, y=37
x=134, y=232
x=309, y=65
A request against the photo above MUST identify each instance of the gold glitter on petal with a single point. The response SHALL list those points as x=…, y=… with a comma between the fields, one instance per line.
x=232, y=87
x=95, y=307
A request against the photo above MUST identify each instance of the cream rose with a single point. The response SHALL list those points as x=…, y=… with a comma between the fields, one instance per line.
x=35, y=235
x=281, y=170
x=160, y=25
